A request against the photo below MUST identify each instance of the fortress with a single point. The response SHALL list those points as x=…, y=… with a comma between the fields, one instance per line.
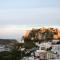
x=38, y=32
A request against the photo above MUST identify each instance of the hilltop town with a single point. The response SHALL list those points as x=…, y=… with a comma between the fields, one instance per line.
x=54, y=31
x=35, y=43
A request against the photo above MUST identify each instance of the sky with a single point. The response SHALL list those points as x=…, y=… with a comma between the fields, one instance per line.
x=18, y=15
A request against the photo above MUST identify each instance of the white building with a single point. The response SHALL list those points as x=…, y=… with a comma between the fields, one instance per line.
x=4, y=48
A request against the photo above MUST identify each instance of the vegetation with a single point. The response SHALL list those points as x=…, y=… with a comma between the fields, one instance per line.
x=14, y=54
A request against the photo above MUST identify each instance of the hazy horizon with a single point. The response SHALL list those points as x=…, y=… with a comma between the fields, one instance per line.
x=18, y=15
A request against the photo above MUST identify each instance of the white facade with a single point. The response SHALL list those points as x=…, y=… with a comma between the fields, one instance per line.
x=4, y=48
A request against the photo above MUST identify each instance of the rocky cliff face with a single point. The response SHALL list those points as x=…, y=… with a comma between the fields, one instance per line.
x=42, y=34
